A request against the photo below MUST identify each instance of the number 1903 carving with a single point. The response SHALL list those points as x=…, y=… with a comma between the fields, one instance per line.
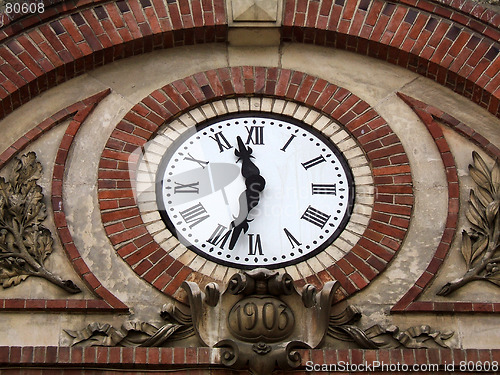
x=261, y=318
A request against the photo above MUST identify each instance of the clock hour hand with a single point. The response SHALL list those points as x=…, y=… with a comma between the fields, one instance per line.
x=249, y=199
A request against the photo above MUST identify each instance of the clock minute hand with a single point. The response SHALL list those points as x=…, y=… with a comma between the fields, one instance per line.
x=249, y=199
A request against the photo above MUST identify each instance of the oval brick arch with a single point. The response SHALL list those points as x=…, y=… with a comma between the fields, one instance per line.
x=454, y=43
x=393, y=202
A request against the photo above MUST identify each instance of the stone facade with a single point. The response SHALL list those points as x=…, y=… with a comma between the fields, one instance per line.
x=408, y=91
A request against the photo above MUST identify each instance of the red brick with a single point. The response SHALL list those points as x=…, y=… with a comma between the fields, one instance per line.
x=153, y=356
x=56, y=304
x=376, y=249
x=358, y=280
x=120, y=214
x=179, y=355
x=162, y=281
x=391, y=208
x=35, y=304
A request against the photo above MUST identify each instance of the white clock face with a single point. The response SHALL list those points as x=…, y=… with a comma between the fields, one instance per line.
x=254, y=191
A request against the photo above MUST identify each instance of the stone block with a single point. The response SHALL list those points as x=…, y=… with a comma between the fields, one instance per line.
x=255, y=13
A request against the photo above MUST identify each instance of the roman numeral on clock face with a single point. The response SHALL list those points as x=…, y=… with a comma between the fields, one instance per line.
x=187, y=188
x=200, y=162
x=219, y=237
x=292, y=239
x=330, y=189
x=311, y=163
x=221, y=141
x=194, y=215
x=288, y=142
x=254, y=244
x=315, y=217
x=255, y=135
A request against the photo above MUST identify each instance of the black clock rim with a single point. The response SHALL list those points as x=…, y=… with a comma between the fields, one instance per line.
x=258, y=114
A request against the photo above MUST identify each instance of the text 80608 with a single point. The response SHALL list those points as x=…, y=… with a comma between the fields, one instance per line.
x=24, y=8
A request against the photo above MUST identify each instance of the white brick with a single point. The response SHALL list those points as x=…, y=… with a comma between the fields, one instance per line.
x=148, y=206
x=353, y=153
x=142, y=187
x=363, y=209
x=332, y=129
x=177, y=251
x=322, y=122
x=232, y=106
x=365, y=190
x=360, y=219
x=208, y=268
x=334, y=252
x=163, y=236
x=312, y=117
x=357, y=161
x=187, y=257
x=301, y=113
x=267, y=105
x=293, y=272
x=342, y=245
x=151, y=217
x=255, y=104
x=155, y=227
x=155, y=148
x=346, y=144
x=197, y=263
x=170, y=244
x=290, y=109
x=243, y=104
x=208, y=111
x=350, y=237
x=362, y=171
x=219, y=273
x=145, y=177
x=146, y=197
x=163, y=140
x=220, y=107
x=315, y=265
x=197, y=115
x=339, y=136
x=363, y=180
x=278, y=106
x=325, y=259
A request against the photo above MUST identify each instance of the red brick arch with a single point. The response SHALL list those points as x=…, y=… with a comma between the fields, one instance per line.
x=454, y=43
x=393, y=202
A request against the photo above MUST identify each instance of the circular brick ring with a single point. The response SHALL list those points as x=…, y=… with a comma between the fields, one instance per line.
x=157, y=146
x=137, y=241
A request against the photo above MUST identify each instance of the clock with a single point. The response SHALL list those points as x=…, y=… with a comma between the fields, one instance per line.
x=254, y=190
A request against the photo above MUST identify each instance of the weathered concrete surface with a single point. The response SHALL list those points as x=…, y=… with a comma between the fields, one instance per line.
x=457, y=106
x=83, y=214
x=428, y=216
x=370, y=79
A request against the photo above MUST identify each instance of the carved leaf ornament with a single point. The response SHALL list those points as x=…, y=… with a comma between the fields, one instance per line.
x=481, y=247
x=259, y=322
x=177, y=326
x=25, y=243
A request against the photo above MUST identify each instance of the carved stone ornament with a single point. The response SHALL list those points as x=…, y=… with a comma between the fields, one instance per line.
x=25, y=243
x=177, y=326
x=481, y=248
x=258, y=322
x=261, y=319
